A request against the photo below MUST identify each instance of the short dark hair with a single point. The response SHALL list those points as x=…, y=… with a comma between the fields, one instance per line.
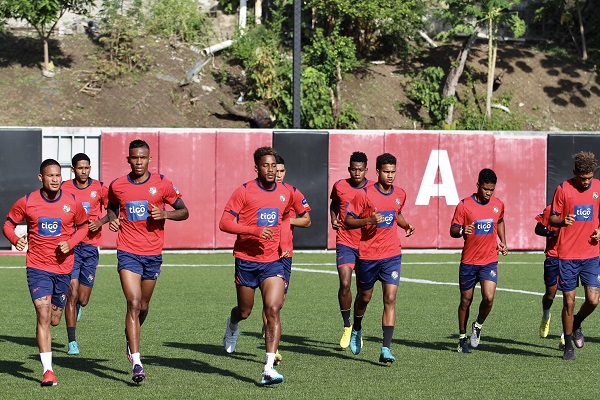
x=358, y=156
x=486, y=175
x=46, y=163
x=585, y=162
x=79, y=157
x=138, y=143
x=385, y=158
x=279, y=159
x=263, y=151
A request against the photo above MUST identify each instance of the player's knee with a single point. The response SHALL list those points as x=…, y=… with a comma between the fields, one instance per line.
x=134, y=305
x=83, y=301
x=54, y=321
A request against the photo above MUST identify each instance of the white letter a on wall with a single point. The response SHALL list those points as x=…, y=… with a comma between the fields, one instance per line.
x=438, y=159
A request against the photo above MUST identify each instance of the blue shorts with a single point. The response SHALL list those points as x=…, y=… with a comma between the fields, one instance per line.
x=346, y=256
x=287, y=271
x=252, y=273
x=86, y=262
x=42, y=283
x=386, y=270
x=551, y=271
x=146, y=266
x=587, y=270
x=469, y=274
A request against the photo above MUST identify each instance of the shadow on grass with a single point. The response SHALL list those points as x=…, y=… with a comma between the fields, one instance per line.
x=30, y=342
x=17, y=370
x=90, y=365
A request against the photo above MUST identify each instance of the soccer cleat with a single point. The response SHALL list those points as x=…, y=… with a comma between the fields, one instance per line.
x=463, y=345
x=278, y=358
x=386, y=355
x=545, y=327
x=578, y=338
x=138, y=374
x=345, y=340
x=230, y=338
x=271, y=377
x=79, y=311
x=73, y=348
x=49, y=379
x=356, y=341
x=475, y=335
x=569, y=354
x=561, y=343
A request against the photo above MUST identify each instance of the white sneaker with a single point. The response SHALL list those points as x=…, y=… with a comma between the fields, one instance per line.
x=271, y=377
x=230, y=338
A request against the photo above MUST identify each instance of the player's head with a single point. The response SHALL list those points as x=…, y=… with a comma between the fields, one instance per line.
x=358, y=167
x=50, y=176
x=486, y=184
x=386, y=169
x=585, y=166
x=265, y=164
x=80, y=166
x=139, y=158
x=280, y=172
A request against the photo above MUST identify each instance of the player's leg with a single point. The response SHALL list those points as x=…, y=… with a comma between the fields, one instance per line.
x=590, y=270
x=71, y=315
x=467, y=279
x=346, y=259
x=43, y=335
x=388, y=321
x=272, y=290
x=488, y=291
x=569, y=277
x=131, y=283
x=550, y=282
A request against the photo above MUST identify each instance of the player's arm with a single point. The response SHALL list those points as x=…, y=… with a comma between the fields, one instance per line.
x=97, y=224
x=15, y=216
x=408, y=228
x=542, y=230
x=302, y=221
x=80, y=220
x=502, y=236
x=179, y=212
x=228, y=224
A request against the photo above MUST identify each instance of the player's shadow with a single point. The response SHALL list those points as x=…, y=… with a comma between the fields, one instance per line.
x=213, y=350
x=16, y=369
x=491, y=345
x=29, y=342
x=90, y=365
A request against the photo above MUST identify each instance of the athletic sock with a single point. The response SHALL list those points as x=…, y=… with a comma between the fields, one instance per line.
x=269, y=362
x=546, y=315
x=462, y=335
x=478, y=325
x=357, y=323
x=568, y=342
x=46, y=359
x=577, y=320
x=346, y=318
x=233, y=326
x=136, y=359
x=71, y=333
x=388, y=332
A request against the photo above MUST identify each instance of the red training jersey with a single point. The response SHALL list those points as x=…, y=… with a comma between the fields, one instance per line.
x=574, y=241
x=49, y=222
x=255, y=206
x=378, y=241
x=299, y=207
x=94, y=198
x=551, y=249
x=481, y=247
x=141, y=234
x=342, y=194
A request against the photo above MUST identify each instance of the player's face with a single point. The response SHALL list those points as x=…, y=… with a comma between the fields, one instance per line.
x=51, y=179
x=485, y=191
x=280, y=173
x=358, y=171
x=82, y=171
x=583, y=181
x=386, y=174
x=266, y=169
x=138, y=159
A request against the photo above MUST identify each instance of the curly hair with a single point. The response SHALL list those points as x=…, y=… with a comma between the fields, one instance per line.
x=486, y=175
x=585, y=162
x=385, y=158
x=263, y=151
x=358, y=156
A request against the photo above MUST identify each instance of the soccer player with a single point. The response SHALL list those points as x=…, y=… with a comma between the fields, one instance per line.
x=543, y=228
x=254, y=213
x=575, y=210
x=140, y=198
x=377, y=210
x=93, y=196
x=298, y=217
x=346, y=247
x=56, y=223
x=478, y=219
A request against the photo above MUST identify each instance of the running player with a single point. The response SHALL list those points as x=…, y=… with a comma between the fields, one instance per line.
x=56, y=223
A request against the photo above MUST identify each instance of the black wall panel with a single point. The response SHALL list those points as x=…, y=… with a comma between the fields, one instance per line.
x=306, y=156
x=20, y=159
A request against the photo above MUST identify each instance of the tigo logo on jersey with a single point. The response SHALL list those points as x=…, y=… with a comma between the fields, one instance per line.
x=152, y=190
x=583, y=213
x=484, y=227
x=93, y=194
x=49, y=226
x=86, y=206
x=66, y=208
x=137, y=210
x=268, y=216
x=388, y=219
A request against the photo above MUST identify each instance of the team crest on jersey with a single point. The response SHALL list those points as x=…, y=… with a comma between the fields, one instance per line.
x=66, y=208
x=397, y=201
x=93, y=194
x=595, y=195
x=282, y=198
x=152, y=190
x=395, y=275
x=496, y=211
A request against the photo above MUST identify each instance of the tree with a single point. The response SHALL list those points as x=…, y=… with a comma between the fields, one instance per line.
x=42, y=15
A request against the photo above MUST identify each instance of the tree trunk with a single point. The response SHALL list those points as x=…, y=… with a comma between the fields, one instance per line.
x=492, y=48
x=258, y=12
x=456, y=72
x=46, y=54
x=584, y=55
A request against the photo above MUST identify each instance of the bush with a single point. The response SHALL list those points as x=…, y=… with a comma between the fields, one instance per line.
x=177, y=18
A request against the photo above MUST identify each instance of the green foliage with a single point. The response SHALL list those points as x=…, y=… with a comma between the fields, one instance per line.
x=425, y=90
x=325, y=52
x=177, y=18
x=316, y=112
x=229, y=6
x=245, y=45
x=471, y=118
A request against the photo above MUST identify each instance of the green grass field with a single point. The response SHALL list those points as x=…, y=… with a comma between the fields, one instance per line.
x=182, y=338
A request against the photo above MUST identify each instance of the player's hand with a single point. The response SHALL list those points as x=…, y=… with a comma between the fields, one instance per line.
x=596, y=234
x=336, y=223
x=503, y=249
x=286, y=254
x=569, y=219
x=267, y=233
x=115, y=225
x=64, y=247
x=410, y=230
x=94, y=225
x=376, y=218
x=469, y=229
x=21, y=243
x=157, y=214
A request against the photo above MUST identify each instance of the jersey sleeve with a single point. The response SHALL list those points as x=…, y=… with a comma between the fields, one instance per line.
x=558, y=202
x=300, y=205
x=16, y=214
x=170, y=192
x=459, y=215
x=236, y=202
x=358, y=206
x=103, y=195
